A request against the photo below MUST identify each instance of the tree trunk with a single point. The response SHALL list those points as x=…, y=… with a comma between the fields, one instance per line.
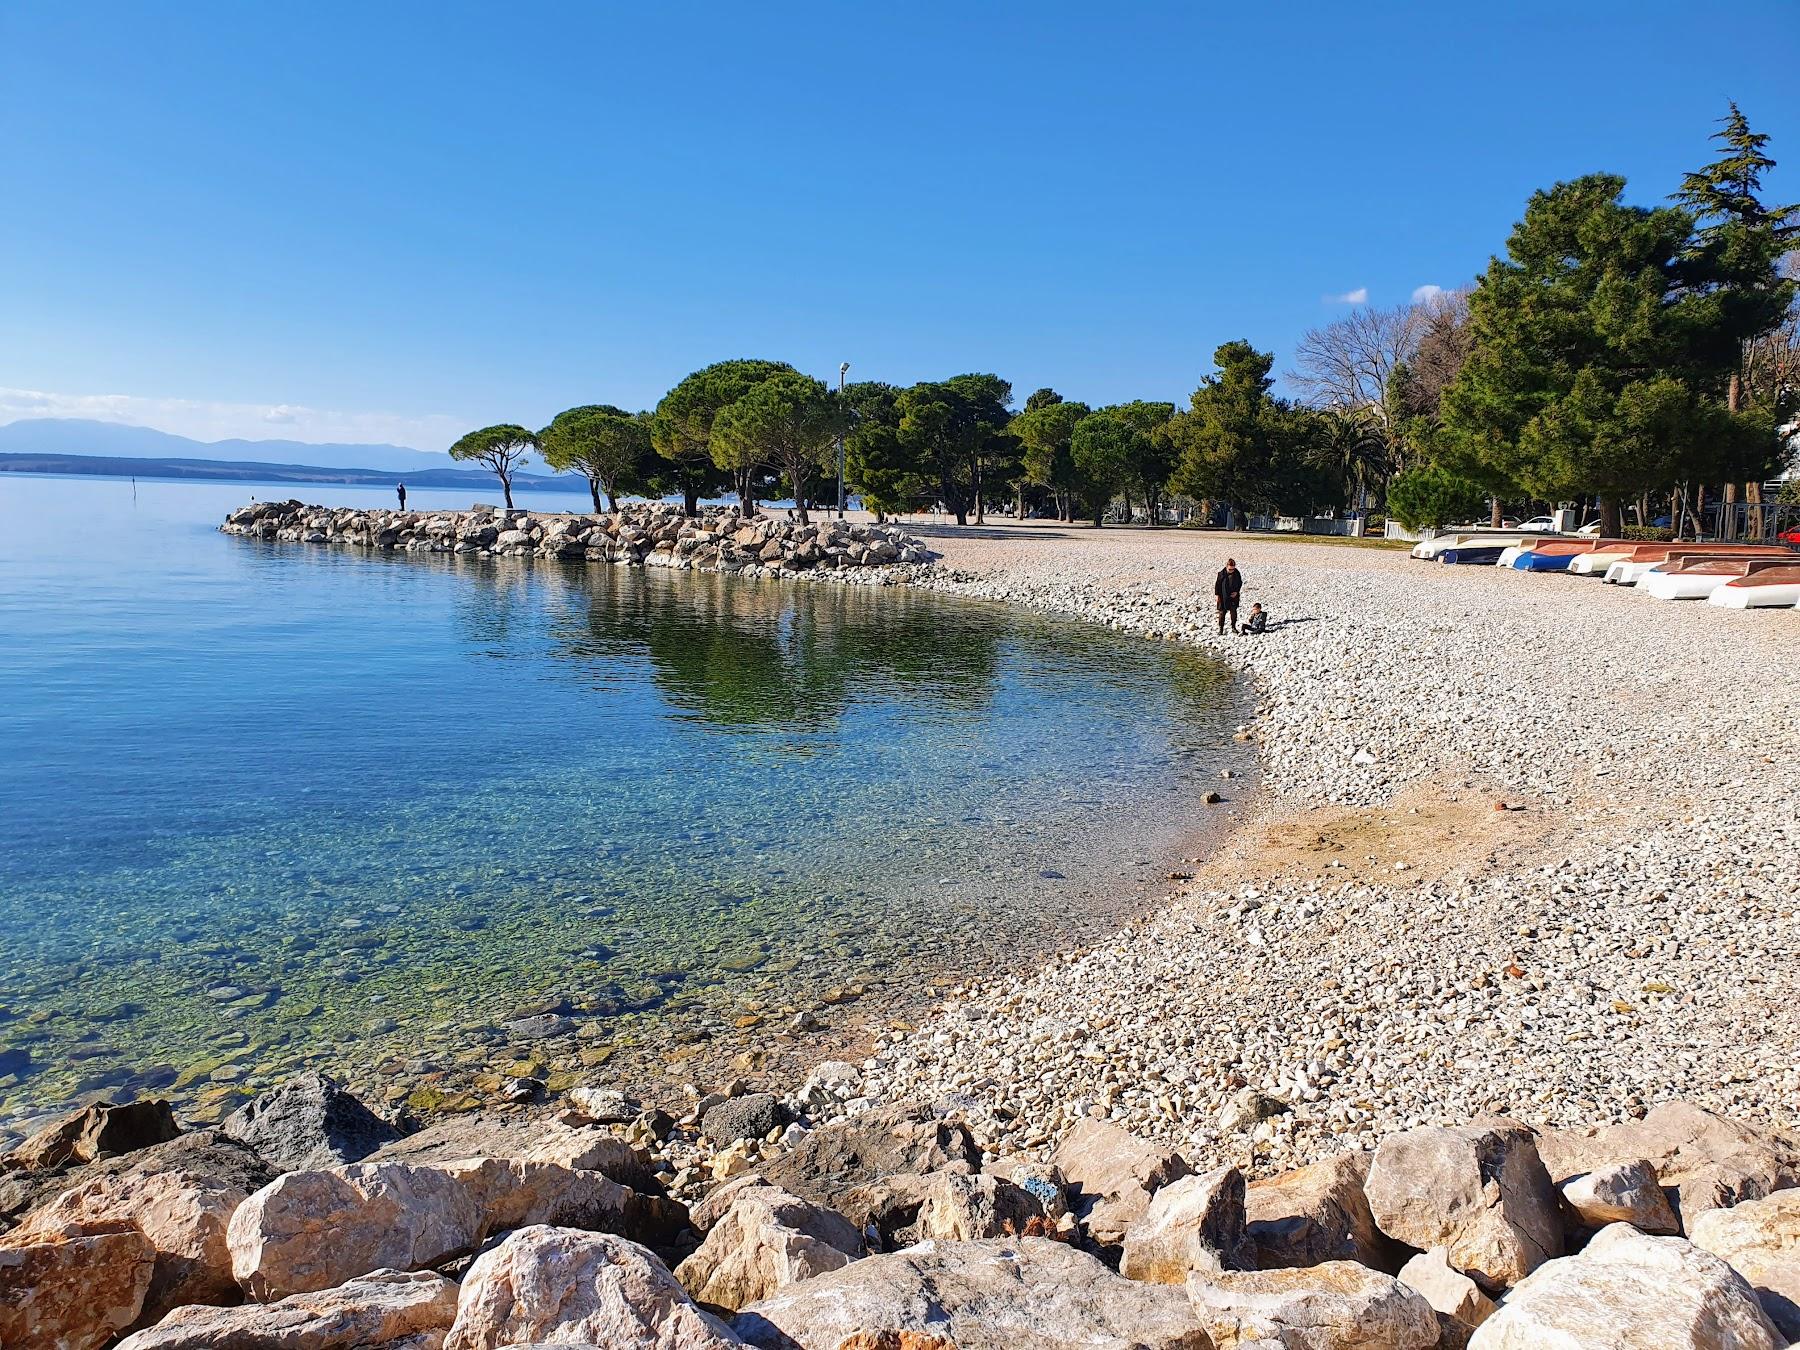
x=506, y=490
x=690, y=501
x=612, y=501
x=1609, y=517
x=799, y=499
x=1494, y=516
x=594, y=492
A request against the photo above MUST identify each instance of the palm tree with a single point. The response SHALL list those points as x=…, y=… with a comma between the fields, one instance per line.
x=1356, y=440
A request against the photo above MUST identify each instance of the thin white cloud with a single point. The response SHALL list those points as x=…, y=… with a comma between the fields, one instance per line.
x=202, y=420
x=1426, y=293
x=1359, y=296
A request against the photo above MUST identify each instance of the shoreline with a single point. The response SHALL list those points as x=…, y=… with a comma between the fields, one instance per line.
x=1123, y=883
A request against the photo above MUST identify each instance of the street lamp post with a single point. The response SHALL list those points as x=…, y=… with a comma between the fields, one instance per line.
x=843, y=370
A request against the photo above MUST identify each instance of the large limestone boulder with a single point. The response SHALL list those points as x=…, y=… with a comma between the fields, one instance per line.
x=311, y=1230
x=955, y=1207
x=766, y=1241
x=103, y=1130
x=546, y=1284
x=1629, y=1291
x=1044, y=1180
x=1336, y=1305
x=890, y=1207
x=905, y=1138
x=1706, y=1160
x=1318, y=1213
x=1479, y=1191
x=183, y=1215
x=1459, y=1302
x=1114, y=1173
x=1196, y=1223
x=999, y=1294
x=1620, y=1193
x=204, y=1154
x=952, y=1206
x=72, y=1292
x=591, y=1150
x=382, y=1308
x=307, y=1123
x=514, y=1192
x=1760, y=1240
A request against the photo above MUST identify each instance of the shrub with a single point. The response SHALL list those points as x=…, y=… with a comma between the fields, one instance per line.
x=1431, y=497
x=1647, y=534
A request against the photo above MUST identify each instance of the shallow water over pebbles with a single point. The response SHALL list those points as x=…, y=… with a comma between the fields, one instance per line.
x=265, y=806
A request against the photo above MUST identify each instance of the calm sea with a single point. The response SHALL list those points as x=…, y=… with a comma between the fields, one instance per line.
x=266, y=806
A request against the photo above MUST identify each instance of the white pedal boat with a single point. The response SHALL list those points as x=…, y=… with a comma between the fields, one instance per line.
x=1765, y=588
x=1595, y=564
x=1631, y=571
x=1698, y=578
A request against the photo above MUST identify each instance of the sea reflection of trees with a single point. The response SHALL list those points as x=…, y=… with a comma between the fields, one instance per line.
x=756, y=655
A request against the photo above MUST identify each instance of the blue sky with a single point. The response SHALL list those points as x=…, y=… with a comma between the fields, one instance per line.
x=396, y=221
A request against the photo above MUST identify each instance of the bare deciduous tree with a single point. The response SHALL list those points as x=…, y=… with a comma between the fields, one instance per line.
x=1347, y=363
x=1444, y=342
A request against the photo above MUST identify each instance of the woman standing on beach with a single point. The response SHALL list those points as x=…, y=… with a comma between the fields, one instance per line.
x=1227, y=587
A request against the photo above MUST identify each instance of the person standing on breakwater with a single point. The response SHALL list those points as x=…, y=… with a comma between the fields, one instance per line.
x=1227, y=587
x=401, y=489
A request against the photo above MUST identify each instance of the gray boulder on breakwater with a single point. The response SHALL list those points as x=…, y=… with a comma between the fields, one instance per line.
x=650, y=534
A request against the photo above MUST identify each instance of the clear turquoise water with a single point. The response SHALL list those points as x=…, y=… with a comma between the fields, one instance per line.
x=269, y=805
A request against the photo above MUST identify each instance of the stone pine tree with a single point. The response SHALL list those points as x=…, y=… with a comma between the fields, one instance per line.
x=1230, y=437
x=956, y=433
x=1734, y=263
x=605, y=445
x=1582, y=377
x=502, y=448
x=881, y=466
x=986, y=441
x=1100, y=449
x=681, y=429
x=790, y=421
x=1150, y=454
x=1046, y=432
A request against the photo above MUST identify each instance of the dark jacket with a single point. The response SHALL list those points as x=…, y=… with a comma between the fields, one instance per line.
x=1228, y=586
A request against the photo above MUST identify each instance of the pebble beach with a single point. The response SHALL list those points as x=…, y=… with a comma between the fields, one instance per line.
x=1526, y=844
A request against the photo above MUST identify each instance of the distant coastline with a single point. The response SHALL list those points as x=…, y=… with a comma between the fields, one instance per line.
x=251, y=471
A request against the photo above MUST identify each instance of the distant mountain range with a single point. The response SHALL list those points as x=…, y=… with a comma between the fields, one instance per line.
x=111, y=449
x=77, y=436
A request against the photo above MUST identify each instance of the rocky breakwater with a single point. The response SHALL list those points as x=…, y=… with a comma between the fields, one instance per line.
x=853, y=1225
x=653, y=534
